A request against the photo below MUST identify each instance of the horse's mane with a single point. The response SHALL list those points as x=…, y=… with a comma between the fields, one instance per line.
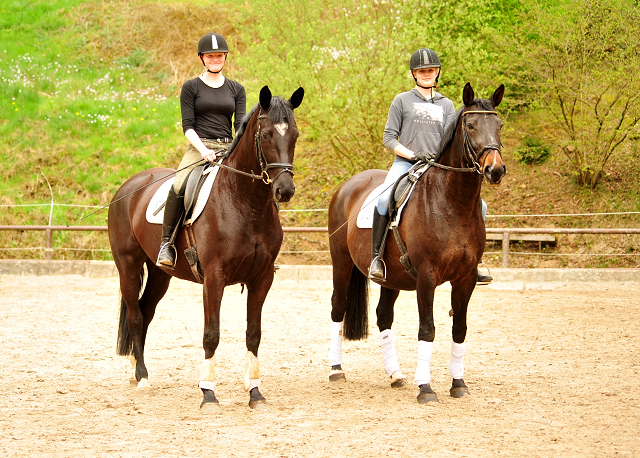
x=450, y=131
x=280, y=110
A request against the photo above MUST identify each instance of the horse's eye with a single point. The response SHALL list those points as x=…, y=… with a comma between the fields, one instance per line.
x=470, y=127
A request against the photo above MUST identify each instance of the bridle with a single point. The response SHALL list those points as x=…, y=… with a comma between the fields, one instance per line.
x=264, y=165
x=471, y=156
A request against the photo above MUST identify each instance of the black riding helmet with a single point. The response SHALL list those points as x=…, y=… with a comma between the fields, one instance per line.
x=212, y=42
x=424, y=58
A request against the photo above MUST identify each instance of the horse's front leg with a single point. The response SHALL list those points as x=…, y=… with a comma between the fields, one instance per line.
x=384, y=312
x=425, y=290
x=257, y=293
x=460, y=295
x=212, y=298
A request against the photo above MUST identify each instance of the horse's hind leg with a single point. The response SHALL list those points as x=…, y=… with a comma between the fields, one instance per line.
x=384, y=312
x=139, y=313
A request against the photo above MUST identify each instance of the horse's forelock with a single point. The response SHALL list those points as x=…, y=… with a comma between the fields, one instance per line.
x=280, y=110
x=484, y=104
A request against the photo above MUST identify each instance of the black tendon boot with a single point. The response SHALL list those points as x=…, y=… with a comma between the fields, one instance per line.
x=377, y=269
x=172, y=215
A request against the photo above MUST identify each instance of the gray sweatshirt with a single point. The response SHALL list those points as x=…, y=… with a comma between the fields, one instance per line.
x=416, y=122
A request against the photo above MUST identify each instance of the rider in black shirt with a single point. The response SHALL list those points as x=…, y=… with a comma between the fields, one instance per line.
x=208, y=104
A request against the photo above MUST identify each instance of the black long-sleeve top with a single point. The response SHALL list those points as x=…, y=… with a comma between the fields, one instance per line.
x=209, y=110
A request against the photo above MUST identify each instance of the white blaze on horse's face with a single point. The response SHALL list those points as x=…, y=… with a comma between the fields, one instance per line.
x=281, y=128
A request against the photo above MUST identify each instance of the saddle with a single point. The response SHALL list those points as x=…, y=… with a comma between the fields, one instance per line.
x=193, y=185
x=400, y=193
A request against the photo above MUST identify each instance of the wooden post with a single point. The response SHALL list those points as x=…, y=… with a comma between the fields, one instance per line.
x=48, y=248
x=505, y=250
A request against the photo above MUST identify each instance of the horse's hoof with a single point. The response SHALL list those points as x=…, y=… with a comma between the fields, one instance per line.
x=210, y=408
x=458, y=389
x=427, y=395
x=398, y=380
x=337, y=376
x=256, y=400
x=133, y=381
x=259, y=405
x=143, y=385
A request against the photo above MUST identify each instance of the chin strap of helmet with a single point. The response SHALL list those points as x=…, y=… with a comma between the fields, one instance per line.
x=215, y=73
x=428, y=87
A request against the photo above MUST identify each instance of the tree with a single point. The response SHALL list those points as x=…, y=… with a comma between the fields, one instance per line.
x=352, y=58
x=578, y=60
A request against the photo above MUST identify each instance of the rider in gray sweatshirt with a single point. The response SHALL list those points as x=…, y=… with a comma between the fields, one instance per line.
x=417, y=119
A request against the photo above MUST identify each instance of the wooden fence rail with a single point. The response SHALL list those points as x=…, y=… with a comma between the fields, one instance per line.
x=537, y=234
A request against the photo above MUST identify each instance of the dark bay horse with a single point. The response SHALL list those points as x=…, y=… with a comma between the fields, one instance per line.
x=238, y=237
x=444, y=234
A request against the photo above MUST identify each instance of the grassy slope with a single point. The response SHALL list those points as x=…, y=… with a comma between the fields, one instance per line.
x=96, y=102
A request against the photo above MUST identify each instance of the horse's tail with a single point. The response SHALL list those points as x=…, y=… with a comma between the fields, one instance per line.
x=124, y=346
x=356, y=317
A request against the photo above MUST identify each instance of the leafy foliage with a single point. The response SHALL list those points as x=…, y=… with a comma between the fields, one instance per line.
x=532, y=151
x=352, y=58
x=576, y=60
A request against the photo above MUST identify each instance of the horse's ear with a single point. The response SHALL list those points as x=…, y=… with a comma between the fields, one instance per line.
x=296, y=98
x=265, y=98
x=496, y=98
x=467, y=95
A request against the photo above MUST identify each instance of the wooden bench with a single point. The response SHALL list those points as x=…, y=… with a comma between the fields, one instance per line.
x=547, y=239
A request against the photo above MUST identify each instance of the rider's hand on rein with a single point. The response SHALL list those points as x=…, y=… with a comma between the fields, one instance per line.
x=423, y=156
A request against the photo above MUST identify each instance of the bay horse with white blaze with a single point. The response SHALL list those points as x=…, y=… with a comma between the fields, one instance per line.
x=444, y=233
x=238, y=238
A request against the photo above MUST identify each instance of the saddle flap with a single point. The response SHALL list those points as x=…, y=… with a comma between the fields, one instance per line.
x=199, y=194
x=192, y=184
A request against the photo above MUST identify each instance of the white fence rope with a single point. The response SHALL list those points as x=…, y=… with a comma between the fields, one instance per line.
x=309, y=210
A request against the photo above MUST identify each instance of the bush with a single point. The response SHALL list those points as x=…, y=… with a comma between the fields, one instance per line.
x=532, y=151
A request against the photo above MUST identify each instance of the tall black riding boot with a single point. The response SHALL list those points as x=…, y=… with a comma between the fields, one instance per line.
x=172, y=215
x=377, y=270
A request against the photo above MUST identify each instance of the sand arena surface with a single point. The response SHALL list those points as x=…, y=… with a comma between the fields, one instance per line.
x=551, y=373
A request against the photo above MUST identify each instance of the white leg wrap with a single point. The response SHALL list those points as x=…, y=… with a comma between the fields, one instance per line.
x=335, y=348
x=423, y=371
x=252, y=372
x=133, y=361
x=388, y=343
x=456, y=365
x=207, y=374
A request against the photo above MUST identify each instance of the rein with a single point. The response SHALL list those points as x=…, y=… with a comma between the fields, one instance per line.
x=468, y=149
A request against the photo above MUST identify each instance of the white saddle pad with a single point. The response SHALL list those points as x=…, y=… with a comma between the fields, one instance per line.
x=160, y=197
x=365, y=217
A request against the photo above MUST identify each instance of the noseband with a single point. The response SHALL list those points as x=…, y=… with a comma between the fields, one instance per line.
x=264, y=165
x=473, y=157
